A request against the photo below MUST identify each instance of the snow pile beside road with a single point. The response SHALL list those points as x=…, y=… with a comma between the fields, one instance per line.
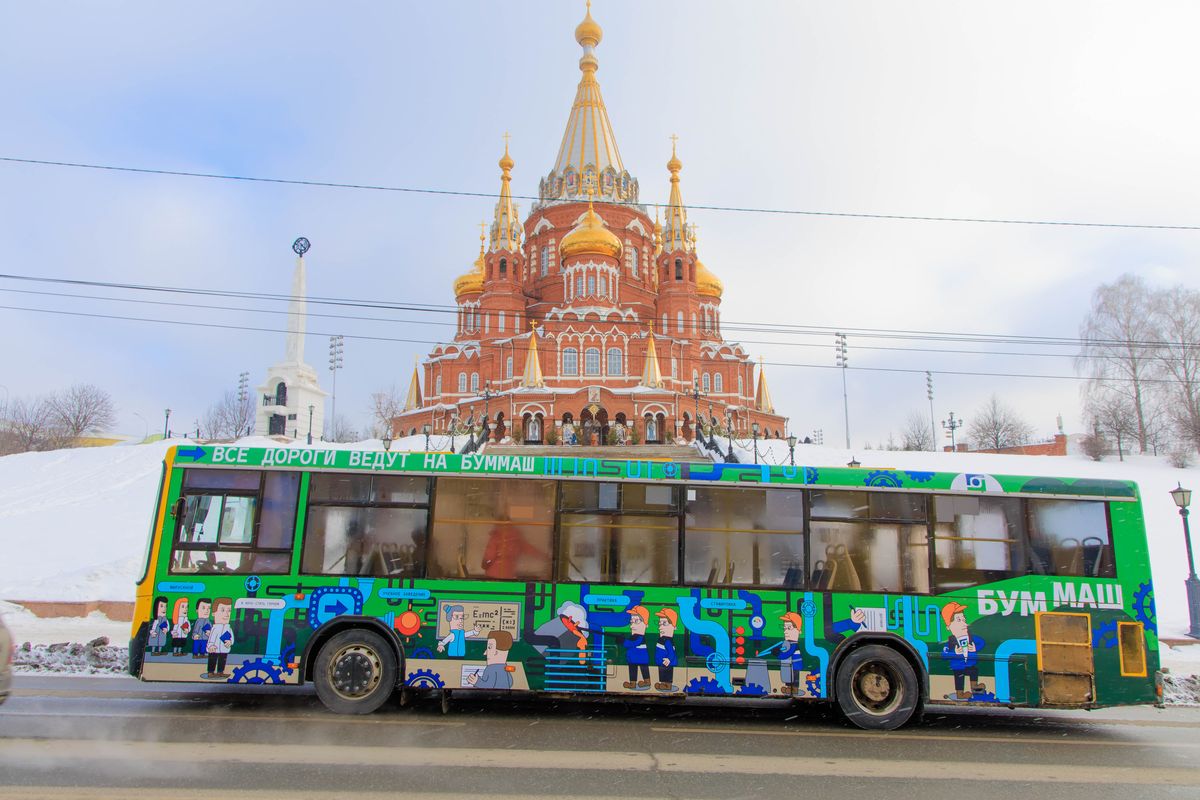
x=97, y=657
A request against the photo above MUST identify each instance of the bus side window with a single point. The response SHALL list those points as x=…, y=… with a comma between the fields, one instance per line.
x=1071, y=537
x=744, y=537
x=618, y=533
x=869, y=541
x=976, y=540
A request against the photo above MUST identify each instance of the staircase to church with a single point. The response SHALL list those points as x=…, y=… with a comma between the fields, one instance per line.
x=642, y=452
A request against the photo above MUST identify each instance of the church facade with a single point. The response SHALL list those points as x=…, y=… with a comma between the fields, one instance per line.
x=589, y=321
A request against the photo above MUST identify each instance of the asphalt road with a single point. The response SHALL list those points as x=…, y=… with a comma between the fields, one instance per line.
x=116, y=738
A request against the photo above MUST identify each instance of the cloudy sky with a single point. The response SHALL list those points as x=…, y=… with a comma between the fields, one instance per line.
x=1066, y=111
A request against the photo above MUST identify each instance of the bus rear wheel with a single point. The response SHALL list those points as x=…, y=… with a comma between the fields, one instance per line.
x=355, y=672
x=877, y=688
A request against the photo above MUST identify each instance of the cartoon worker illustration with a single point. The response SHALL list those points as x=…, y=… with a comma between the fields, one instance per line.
x=665, y=656
x=454, y=644
x=962, y=651
x=181, y=629
x=497, y=674
x=220, y=638
x=160, y=627
x=637, y=655
x=201, y=627
x=791, y=658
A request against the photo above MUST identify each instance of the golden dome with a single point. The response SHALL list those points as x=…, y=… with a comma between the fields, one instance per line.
x=707, y=283
x=589, y=31
x=506, y=161
x=590, y=236
x=473, y=280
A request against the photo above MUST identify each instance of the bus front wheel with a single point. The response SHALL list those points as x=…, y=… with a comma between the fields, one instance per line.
x=877, y=688
x=355, y=672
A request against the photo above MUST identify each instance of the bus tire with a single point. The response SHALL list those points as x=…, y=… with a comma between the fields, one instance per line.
x=355, y=672
x=877, y=688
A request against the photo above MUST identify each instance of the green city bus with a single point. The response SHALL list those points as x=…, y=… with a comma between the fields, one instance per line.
x=879, y=589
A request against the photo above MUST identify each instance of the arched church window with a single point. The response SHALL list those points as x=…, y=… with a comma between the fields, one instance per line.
x=281, y=394
x=651, y=429
x=663, y=326
x=591, y=286
x=462, y=383
x=679, y=322
x=707, y=383
x=474, y=382
x=674, y=367
x=603, y=286
x=437, y=386
x=503, y=267
x=579, y=286
x=679, y=269
x=508, y=367
x=545, y=261
x=718, y=383
x=633, y=262
x=500, y=322
x=614, y=361
x=570, y=361
x=741, y=392
x=487, y=322
x=695, y=378
x=591, y=361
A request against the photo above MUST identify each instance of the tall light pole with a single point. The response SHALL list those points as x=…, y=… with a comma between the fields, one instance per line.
x=696, y=394
x=932, y=421
x=336, y=346
x=488, y=394
x=243, y=397
x=791, y=440
x=842, y=361
x=1183, y=498
x=425, y=429
x=950, y=426
x=166, y=423
x=310, y=413
x=754, y=433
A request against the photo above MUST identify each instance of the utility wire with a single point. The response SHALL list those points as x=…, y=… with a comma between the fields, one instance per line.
x=751, y=327
x=695, y=206
x=512, y=345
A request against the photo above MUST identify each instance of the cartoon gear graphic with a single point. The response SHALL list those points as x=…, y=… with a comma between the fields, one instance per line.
x=252, y=583
x=920, y=477
x=813, y=682
x=1143, y=607
x=425, y=678
x=670, y=470
x=257, y=671
x=882, y=477
x=751, y=690
x=811, y=474
x=286, y=657
x=808, y=609
x=422, y=652
x=704, y=685
x=1105, y=634
x=716, y=662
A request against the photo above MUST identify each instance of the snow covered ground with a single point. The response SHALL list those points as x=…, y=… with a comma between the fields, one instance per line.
x=74, y=523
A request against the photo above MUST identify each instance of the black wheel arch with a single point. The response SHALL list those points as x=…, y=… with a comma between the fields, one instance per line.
x=897, y=643
x=348, y=622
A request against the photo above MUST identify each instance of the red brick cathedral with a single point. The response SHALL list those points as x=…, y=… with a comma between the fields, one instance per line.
x=589, y=322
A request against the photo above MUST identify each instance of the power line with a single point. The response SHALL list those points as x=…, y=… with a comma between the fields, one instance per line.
x=695, y=206
x=511, y=344
x=750, y=327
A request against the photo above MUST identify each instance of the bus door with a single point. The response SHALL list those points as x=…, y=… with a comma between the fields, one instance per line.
x=1064, y=651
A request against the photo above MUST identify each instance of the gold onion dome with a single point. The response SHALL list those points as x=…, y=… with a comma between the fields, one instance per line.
x=590, y=236
x=473, y=280
x=589, y=31
x=707, y=283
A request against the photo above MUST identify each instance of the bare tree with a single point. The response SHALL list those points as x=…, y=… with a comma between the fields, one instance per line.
x=33, y=425
x=1118, y=352
x=996, y=426
x=916, y=433
x=83, y=408
x=1177, y=319
x=339, y=429
x=228, y=418
x=386, y=405
x=1112, y=413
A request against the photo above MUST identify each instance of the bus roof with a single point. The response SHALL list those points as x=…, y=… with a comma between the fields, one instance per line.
x=626, y=468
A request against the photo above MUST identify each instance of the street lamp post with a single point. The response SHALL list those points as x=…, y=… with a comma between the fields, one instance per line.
x=791, y=440
x=1183, y=498
x=425, y=429
x=950, y=426
x=387, y=438
x=453, y=430
x=842, y=362
x=695, y=394
x=166, y=423
x=488, y=394
x=754, y=433
x=730, y=458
